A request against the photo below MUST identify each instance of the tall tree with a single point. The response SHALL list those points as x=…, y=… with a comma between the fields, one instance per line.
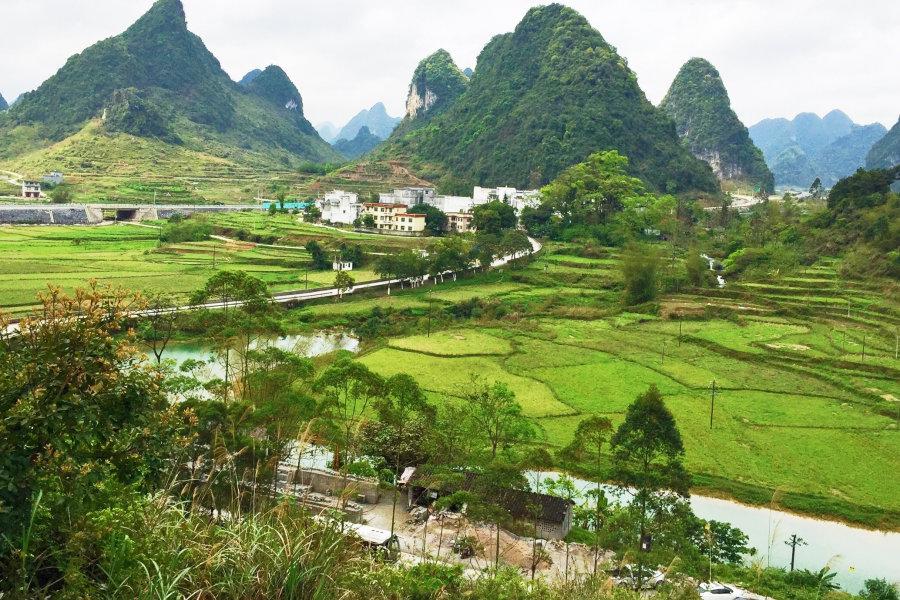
x=401, y=401
x=158, y=323
x=591, y=435
x=494, y=217
x=348, y=388
x=640, y=266
x=593, y=191
x=648, y=455
x=496, y=414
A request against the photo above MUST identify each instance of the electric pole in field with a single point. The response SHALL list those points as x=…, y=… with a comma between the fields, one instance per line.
x=864, y=348
x=793, y=542
x=429, y=313
x=712, y=405
x=663, y=361
x=680, y=325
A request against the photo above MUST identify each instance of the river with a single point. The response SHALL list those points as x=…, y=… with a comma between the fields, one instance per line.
x=854, y=554
x=304, y=345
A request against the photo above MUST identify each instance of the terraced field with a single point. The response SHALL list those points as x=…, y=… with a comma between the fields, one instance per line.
x=798, y=407
x=131, y=256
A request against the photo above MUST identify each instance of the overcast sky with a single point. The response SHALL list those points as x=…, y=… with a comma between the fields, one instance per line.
x=777, y=57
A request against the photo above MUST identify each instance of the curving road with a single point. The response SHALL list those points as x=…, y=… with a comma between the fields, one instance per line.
x=318, y=293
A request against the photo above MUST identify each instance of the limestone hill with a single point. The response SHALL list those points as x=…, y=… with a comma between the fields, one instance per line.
x=698, y=103
x=541, y=99
x=157, y=79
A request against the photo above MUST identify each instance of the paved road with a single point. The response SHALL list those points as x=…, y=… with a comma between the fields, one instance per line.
x=319, y=293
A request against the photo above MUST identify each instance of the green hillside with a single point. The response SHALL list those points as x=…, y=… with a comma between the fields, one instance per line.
x=886, y=151
x=436, y=85
x=698, y=103
x=157, y=79
x=543, y=98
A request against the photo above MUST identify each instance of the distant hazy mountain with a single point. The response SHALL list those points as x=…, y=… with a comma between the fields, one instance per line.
x=157, y=79
x=548, y=95
x=698, y=103
x=380, y=124
x=3, y=104
x=19, y=97
x=364, y=142
x=246, y=79
x=842, y=157
x=807, y=131
x=807, y=147
x=468, y=73
x=885, y=153
x=328, y=131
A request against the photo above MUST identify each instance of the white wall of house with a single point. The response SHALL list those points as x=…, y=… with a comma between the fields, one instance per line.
x=340, y=207
x=452, y=204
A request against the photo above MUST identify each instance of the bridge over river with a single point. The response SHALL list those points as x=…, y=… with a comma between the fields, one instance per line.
x=91, y=214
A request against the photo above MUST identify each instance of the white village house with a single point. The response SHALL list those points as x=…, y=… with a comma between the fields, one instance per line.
x=340, y=207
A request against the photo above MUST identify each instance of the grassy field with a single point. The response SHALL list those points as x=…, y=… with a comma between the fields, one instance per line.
x=800, y=407
x=797, y=409
x=131, y=256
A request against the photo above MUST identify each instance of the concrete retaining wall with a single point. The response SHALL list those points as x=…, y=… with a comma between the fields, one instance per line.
x=50, y=216
x=320, y=481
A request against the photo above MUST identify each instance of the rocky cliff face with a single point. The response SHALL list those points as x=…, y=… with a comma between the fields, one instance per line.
x=698, y=103
x=436, y=84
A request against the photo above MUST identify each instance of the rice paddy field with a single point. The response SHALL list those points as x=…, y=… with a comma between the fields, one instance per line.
x=805, y=366
x=800, y=411
x=31, y=257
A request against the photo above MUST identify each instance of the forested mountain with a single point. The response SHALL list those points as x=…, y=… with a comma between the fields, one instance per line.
x=842, y=157
x=885, y=153
x=3, y=104
x=698, y=103
x=808, y=147
x=807, y=131
x=380, y=124
x=436, y=84
x=364, y=142
x=546, y=97
x=173, y=87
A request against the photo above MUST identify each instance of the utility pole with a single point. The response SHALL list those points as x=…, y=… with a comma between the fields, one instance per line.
x=214, y=256
x=307, y=279
x=864, y=348
x=429, y=313
x=680, y=325
x=712, y=406
x=793, y=542
x=663, y=361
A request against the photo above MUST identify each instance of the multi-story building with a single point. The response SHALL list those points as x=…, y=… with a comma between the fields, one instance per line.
x=31, y=189
x=518, y=199
x=452, y=204
x=408, y=196
x=393, y=217
x=340, y=207
x=459, y=222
